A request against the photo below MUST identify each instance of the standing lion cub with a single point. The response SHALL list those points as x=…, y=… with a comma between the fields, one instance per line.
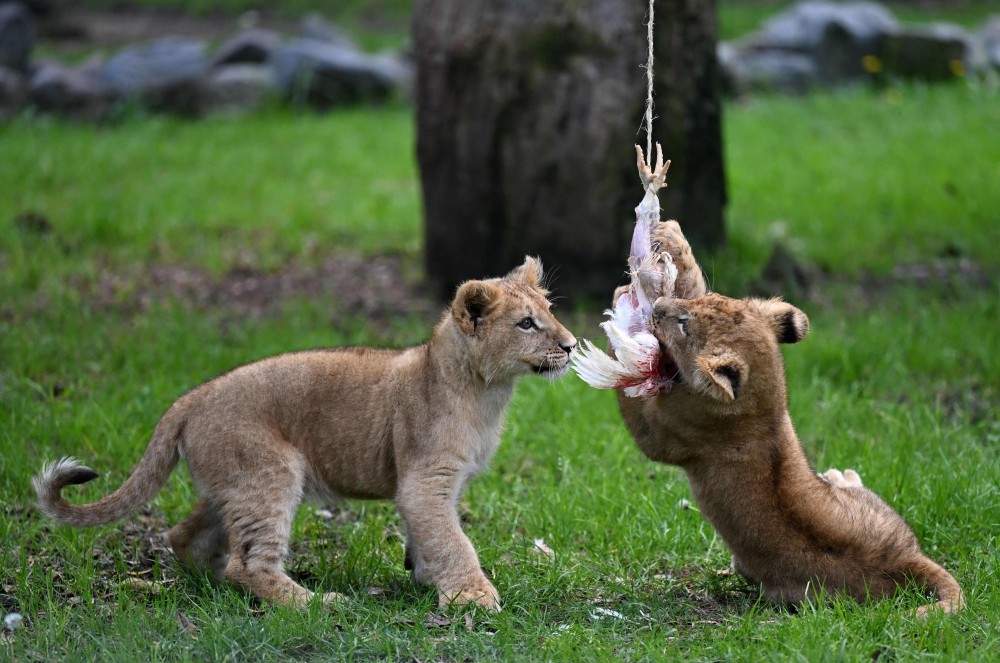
x=725, y=422
x=413, y=425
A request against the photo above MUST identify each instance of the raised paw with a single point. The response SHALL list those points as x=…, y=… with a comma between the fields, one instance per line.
x=666, y=237
x=853, y=478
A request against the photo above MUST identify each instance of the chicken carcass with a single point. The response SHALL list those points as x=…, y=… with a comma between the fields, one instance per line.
x=635, y=364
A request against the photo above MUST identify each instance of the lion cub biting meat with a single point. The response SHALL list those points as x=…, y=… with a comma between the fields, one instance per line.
x=413, y=425
x=725, y=422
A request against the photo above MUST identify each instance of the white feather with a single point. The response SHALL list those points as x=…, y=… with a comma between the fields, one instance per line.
x=597, y=368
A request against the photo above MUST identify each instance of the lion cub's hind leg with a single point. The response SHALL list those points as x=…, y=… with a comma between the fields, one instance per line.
x=200, y=540
x=257, y=505
x=847, y=479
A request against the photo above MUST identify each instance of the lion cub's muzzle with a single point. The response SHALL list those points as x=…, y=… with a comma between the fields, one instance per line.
x=556, y=362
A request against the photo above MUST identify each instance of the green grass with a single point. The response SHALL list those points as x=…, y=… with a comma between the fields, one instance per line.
x=271, y=185
x=862, y=181
x=902, y=384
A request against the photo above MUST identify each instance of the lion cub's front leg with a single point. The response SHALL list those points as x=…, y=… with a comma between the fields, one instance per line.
x=438, y=551
x=666, y=237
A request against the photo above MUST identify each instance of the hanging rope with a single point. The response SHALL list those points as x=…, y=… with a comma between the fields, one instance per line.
x=649, y=84
x=635, y=366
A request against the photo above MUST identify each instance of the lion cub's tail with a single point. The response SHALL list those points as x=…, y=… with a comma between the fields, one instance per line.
x=942, y=583
x=148, y=477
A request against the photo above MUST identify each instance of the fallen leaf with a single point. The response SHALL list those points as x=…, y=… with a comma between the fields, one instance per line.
x=469, y=623
x=187, y=624
x=435, y=620
x=142, y=585
x=601, y=613
x=540, y=547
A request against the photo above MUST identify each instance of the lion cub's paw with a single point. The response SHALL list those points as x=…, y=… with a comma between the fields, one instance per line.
x=331, y=597
x=667, y=237
x=847, y=479
x=484, y=595
x=853, y=478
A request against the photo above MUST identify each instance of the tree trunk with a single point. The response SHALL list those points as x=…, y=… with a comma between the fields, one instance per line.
x=527, y=111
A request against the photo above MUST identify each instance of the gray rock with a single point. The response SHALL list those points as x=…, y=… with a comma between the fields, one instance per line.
x=323, y=75
x=237, y=88
x=401, y=68
x=43, y=8
x=17, y=36
x=13, y=93
x=933, y=52
x=78, y=93
x=314, y=26
x=802, y=26
x=989, y=37
x=250, y=46
x=727, y=55
x=836, y=35
x=777, y=70
x=166, y=74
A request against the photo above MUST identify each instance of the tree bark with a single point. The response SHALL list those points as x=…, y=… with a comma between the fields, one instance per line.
x=527, y=111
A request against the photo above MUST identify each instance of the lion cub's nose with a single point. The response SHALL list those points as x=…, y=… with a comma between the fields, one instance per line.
x=568, y=345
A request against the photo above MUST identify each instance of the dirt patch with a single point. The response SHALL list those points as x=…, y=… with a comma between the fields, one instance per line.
x=949, y=274
x=133, y=555
x=713, y=595
x=973, y=402
x=147, y=559
x=375, y=288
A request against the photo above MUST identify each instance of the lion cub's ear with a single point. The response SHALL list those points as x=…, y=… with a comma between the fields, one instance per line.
x=725, y=374
x=790, y=325
x=530, y=272
x=472, y=303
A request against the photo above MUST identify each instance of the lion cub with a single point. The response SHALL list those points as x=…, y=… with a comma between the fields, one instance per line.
x=413, y=425
x=725, y=422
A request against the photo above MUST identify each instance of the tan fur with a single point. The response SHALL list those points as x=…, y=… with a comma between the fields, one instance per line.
x=726, y=424
x=413, y=425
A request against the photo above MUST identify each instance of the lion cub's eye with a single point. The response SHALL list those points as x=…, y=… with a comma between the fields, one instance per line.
x=682, y=324
x=527, y=323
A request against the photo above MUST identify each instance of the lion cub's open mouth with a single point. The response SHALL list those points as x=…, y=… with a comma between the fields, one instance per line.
x=668, y=369
x=549, y=369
